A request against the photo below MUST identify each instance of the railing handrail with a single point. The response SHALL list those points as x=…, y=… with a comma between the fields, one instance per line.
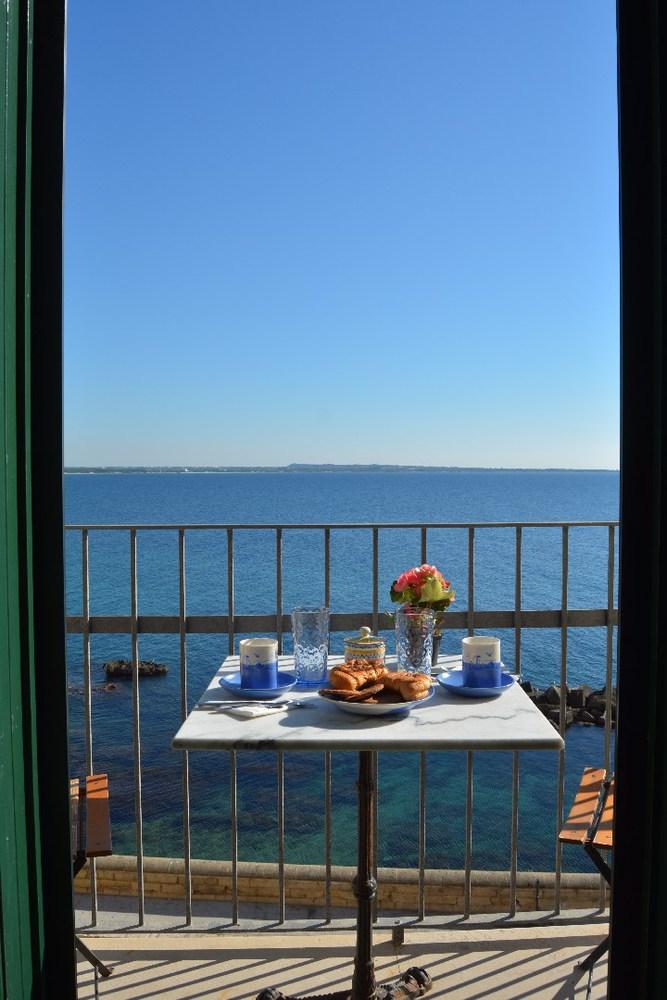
x=346, y=525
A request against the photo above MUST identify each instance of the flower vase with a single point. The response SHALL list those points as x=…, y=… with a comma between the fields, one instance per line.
x=414, y=639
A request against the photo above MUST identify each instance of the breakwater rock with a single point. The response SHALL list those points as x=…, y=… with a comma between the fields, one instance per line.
x=95, y=688
x=583, y=705
x=123, y=668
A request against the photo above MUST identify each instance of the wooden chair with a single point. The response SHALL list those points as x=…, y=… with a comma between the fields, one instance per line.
x=591, y=825
x=91, y=837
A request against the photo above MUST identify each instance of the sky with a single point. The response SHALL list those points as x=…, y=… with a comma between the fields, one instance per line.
x=349, y=231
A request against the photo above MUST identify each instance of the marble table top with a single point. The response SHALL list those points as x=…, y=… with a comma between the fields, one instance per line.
x=446, y=722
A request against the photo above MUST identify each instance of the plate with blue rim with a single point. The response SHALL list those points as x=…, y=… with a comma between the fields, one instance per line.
x=452, y=680
x=232, y=682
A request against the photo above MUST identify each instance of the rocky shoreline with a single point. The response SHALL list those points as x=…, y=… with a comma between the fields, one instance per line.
x=584, y=706
x=124, y=668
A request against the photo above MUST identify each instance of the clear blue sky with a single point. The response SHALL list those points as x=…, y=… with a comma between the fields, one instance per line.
x=341, y=231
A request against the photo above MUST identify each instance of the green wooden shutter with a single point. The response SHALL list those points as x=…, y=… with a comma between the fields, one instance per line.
x=36, y=942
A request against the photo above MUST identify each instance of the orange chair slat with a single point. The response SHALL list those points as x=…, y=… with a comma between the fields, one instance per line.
x=604, y=836
x=581, y=814
x=98, y=823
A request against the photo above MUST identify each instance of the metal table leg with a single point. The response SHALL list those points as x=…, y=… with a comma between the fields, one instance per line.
x=413, y=983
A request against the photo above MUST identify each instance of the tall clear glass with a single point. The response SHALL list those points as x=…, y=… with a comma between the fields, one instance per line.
x=414, y=639
x=311, y=645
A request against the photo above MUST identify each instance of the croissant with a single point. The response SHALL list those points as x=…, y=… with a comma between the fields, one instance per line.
x=411, y=687
x=354, y=674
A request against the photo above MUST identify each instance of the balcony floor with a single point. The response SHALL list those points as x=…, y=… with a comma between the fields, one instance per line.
x=503, y=964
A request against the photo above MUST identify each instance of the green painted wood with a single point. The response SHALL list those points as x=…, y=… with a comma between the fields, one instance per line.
x=18, y=813
x=36, y=954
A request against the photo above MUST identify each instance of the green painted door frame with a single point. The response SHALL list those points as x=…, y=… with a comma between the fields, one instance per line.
x=36, y=924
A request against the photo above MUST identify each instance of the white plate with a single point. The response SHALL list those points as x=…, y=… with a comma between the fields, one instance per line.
x=388, y=708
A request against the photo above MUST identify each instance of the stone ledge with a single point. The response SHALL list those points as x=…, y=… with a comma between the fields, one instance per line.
x=305, y=885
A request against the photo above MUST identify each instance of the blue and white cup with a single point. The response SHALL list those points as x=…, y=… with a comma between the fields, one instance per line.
x=481, y=661
x=259, y=663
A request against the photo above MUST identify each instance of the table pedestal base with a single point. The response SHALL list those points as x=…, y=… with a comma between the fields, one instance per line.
x=413, y=983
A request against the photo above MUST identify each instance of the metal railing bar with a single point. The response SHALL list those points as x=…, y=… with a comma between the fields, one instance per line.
x=85, y=609
x=88, y=697
x=514, y=837
x=376, y=560
x=234, y=832
x=470, y=614
x=424, y=556
x=327, y=567
x=467, y=891
x=518, y=550
x=611, y=540
x=328, y=804
x=136, y=728
x=341, y=525
x=610, y=646
x=214, y=624
x=280, y=760
x=183, y=668
x=565, y=558
x=229, y=625
x=376, y=811
x=422, y=835
x=279, y=588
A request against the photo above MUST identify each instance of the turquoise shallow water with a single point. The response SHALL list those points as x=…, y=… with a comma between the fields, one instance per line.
x=332, y=497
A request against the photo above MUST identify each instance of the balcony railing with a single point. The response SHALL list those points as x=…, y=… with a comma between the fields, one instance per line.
x=517, y=617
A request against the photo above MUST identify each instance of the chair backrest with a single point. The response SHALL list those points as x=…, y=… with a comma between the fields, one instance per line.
x=89, y=808
x=591, y=818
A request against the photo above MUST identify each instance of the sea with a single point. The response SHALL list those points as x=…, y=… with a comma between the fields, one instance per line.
x=350, y=497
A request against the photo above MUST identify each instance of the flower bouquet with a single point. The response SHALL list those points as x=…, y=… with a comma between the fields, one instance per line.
x=424, y=588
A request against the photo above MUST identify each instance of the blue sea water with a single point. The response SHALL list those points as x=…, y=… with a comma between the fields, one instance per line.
x=302, y=498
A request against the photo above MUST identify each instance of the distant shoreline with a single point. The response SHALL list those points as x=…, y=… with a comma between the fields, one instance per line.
x=295, y=468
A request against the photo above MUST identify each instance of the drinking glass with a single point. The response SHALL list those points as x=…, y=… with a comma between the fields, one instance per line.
x=414, y=639
x=311, y=644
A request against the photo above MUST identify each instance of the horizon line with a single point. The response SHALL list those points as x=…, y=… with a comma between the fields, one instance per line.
x=328, y=466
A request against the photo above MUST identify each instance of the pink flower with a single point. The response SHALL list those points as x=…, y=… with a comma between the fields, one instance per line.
x=423, y=584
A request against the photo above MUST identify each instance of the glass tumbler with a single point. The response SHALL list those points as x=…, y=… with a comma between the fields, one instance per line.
x=414, y=639
x=311, y=644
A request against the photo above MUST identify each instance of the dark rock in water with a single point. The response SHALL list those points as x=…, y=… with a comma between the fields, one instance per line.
x=551, y=696
x=79, y=689
x=584, y=717
x=553, y=714
x=123, y=668
x=528, y=687
x=577, y=697
x=602, y=693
